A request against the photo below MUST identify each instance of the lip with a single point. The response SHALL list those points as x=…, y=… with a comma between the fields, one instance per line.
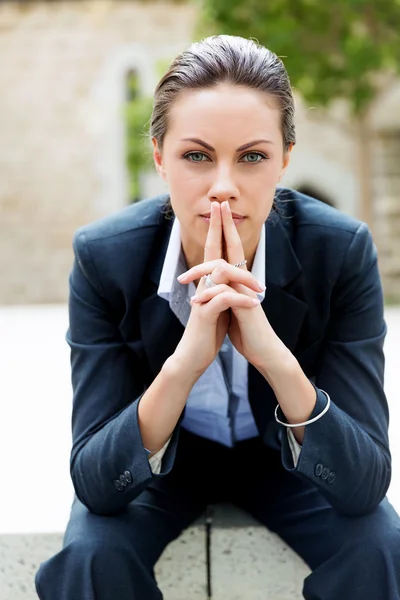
x=236, y=220
x=234, y=216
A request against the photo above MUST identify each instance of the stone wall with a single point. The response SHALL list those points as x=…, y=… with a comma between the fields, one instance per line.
x=387, y=210
x=63, y=67
x=385, y=121
x=62, y=82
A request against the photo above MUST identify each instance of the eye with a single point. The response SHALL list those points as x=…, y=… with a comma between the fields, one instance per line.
x=195, y=156
x=253, y=157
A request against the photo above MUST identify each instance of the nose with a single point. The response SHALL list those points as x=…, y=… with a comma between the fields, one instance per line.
x=223, y=187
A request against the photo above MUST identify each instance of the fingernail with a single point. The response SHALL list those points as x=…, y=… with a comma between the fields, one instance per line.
x=181, y=276
x=194, y=298
x=256, y=301
x=261, y=286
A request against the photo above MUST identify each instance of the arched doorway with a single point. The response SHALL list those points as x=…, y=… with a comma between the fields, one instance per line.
x=310, y=190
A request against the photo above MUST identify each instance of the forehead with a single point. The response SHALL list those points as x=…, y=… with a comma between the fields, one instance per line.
x=224, y=109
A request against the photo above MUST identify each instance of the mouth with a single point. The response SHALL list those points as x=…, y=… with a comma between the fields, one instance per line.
x=235, y=216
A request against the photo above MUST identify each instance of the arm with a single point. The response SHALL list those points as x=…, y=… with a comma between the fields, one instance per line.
x=351, y=439
x=108, y=390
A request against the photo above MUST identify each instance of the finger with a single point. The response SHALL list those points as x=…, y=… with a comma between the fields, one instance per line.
x=233, y=243
x=225, y=301
x=213, y=247
x=206, y=294
x=222, y=272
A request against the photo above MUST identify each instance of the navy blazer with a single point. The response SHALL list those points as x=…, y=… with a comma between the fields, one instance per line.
x=324, y=300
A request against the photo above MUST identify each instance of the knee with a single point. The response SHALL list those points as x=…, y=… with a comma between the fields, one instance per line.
x=85, y=562
x=382, y=540
x=387, y=541
x=98, y=553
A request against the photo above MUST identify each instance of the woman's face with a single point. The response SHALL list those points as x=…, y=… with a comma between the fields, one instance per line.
x=223, y=143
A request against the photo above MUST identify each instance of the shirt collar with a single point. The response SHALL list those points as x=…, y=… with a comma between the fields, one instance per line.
x=175, y=263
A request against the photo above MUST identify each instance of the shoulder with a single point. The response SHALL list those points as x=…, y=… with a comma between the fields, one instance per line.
x=108, y=249
x=314, y=226
x=332, y=248
x=144, y=215
x=310, y=213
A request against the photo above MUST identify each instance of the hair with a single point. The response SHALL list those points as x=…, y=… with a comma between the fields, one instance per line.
x=225, y=59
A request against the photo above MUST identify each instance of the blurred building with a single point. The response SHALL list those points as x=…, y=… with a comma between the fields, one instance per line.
x=63, y=72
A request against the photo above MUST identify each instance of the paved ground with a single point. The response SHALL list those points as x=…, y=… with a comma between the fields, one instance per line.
x=35, y=417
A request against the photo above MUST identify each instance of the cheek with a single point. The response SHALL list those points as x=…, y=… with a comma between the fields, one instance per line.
x=265, y=175
x=273, y=170
x=183, y=180
x=186, y=193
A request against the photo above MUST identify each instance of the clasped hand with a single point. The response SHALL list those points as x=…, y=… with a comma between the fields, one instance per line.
x=233, y=298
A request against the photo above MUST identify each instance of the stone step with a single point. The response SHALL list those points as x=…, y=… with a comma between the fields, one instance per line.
x=247, y=561
x=250, y=562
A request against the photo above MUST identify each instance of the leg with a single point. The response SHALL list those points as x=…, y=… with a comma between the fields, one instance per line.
x=352, y=558
x=104, y=558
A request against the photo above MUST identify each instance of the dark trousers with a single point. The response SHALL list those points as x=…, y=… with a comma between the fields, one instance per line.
x=109, y=558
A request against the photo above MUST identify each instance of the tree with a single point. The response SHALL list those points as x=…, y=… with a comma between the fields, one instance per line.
x=332, y=50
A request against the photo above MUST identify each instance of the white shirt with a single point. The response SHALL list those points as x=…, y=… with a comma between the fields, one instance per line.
x=210, y=396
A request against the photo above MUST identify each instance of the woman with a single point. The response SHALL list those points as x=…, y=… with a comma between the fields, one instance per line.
x=193, y=383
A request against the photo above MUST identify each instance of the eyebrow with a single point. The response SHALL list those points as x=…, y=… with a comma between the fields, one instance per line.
x=240, y=149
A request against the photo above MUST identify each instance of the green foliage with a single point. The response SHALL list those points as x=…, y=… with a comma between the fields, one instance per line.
x=330, y=49
x=137, y=114
x=138, y=151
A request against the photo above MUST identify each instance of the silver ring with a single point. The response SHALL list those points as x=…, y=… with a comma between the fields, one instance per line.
x=209, y=282
x=240, y=264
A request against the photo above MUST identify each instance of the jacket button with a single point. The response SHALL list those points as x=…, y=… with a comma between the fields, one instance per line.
x=325, y=473
x=128, y=476
x=122, y=479
x=118, y=485
x=331, y=477
x=318, y=470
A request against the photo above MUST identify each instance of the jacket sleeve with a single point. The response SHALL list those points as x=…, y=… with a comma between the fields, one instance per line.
x=109, y=465
x=345, y=454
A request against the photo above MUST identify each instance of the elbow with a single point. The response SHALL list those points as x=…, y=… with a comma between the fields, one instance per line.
x=80, y=489
x=371, y=493
x=87, y=492
x=93, y=501
x=104, y=498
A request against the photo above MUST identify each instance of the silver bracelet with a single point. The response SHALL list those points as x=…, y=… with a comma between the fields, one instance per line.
x=305, y=422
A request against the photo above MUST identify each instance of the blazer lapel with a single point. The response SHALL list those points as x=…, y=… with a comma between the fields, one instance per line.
x=284, y=311
x=161, y=330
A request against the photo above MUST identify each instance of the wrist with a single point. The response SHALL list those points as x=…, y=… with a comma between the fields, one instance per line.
x=294, y=392
x=277, y=363
x=178, y=367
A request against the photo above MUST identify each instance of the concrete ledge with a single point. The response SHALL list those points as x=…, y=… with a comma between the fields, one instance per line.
x=251, y=562
x=248, y=562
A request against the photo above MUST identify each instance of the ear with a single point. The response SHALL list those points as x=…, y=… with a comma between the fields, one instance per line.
x=286, y=160
x=158, y=161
